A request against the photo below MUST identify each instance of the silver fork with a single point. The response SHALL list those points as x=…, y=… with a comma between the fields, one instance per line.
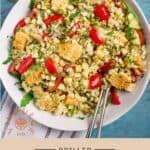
x=101, y=103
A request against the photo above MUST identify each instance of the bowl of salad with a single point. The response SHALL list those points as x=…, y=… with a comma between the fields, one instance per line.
x=56, y=56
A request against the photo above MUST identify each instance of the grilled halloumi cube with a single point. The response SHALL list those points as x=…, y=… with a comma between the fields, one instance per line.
x=71, y=101
x=46, y=104
x=20, y=40
x=70, y=51
x=33, y=77
x=43, y=100
x=120, y=81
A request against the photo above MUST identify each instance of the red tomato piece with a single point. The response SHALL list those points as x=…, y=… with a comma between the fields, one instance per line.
x=20, y=24
x=76, y=26
x=26, y=63
x=59, y=80
x=107, y=66
x=96, y=37
x=68, y=66
x=51, y=66
x=95, y=81
x=136, y=73
x=115, y=98
x=102, y=12
x=11, y=69
x=141, y=36
x=44, y=35
x=32, y=14
x=72, y=35
x=53, y=18
x=75, y=29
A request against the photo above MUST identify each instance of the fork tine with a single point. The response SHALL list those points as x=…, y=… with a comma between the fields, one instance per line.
x=91, y=126
x=100, y=123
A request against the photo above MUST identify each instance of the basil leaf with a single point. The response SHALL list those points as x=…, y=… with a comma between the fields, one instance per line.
x=9, y=59
x=31, y=4
x=26, y=99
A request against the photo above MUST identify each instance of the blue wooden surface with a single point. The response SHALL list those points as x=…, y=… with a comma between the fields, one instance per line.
x=136, y=123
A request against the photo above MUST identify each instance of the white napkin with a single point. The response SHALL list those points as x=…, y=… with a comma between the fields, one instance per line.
x=16, y=124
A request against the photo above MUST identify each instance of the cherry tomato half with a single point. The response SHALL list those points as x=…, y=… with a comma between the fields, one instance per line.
x=141, y=36
x=20, y=24
x=26, y=63
x=96, y=37
x=51, y=66
x=102, y=12
x=107, y=66
x=53, y=18
x=115, y=98
x=12, y=69
x=95, y=81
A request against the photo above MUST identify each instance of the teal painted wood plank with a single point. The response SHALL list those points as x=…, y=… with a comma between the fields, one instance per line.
x=136, y=123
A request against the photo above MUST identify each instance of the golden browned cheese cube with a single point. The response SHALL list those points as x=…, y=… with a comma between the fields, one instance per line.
x=120, y=81
x=71, y=101
x=20, y=40
x=33, y=77
x=70, y=51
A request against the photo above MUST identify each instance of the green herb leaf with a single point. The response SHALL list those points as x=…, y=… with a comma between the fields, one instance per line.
x=129, y=59
x=35, y=47
x=72, y=16
x=81, y=118
x=26, y=99
x=31, y=4
x=8, y=60
x=129, y=33
x=36, y=66
x=72, y=2
x=72, y=111
x=110, y=33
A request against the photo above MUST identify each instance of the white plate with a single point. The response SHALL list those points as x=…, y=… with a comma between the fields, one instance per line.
x=59, y=122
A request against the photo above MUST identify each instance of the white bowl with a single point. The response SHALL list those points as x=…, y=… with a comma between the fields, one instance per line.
x=60, y=122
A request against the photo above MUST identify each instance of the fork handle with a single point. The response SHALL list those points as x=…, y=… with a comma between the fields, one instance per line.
x=100, y=123
x=89, y=132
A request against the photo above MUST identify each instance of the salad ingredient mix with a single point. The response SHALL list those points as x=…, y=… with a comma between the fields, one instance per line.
x=64, y=52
